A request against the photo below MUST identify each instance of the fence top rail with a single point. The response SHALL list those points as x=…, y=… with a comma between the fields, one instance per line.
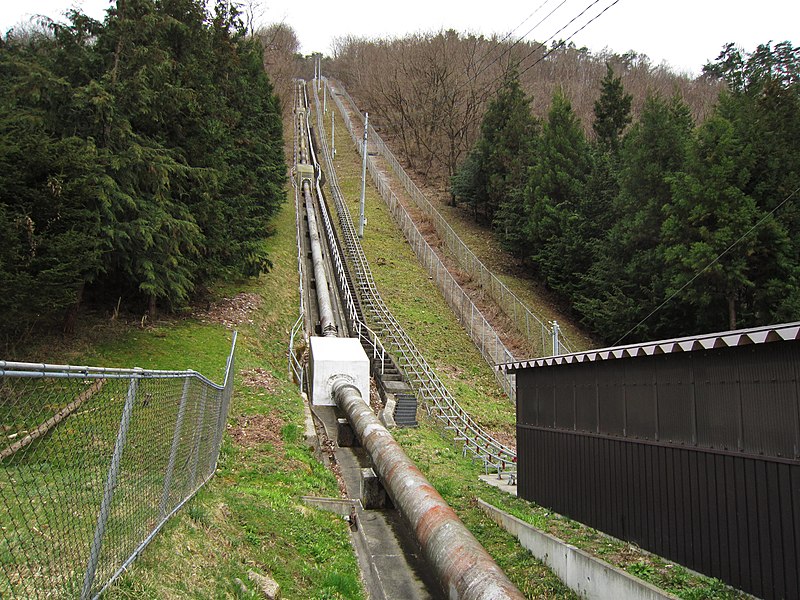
x=101, y=374
x=43, y=370
x=708, y=341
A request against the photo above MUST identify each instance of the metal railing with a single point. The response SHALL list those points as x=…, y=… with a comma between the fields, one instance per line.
x=536, y=330
x=433, y=394
x=482, y=333
x=355, y=323
x=93, y=462
x=301, y=327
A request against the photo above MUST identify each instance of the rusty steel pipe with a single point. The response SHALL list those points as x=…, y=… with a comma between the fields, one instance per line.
x=326, y=319
x=464, y=568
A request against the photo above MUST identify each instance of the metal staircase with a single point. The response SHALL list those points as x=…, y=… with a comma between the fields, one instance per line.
x=427, y=386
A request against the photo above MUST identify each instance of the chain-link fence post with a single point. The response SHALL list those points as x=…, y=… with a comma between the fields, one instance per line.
x=226, y=399
x=108, y=490
x=198, y=436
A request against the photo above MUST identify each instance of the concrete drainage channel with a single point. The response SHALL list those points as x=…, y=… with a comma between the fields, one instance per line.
x=588, y=576
x=390, y=560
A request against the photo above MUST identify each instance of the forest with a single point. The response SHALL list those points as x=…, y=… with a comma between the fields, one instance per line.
x=652, y=204
x=141, y=157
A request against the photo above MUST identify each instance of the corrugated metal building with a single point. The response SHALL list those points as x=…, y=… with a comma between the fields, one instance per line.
x=688, y=447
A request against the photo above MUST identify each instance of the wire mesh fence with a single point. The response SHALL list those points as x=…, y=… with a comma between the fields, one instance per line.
x=536, y=330
x=471, y=318
x=92, y=463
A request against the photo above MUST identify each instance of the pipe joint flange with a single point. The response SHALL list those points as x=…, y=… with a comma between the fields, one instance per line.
x=335, y=381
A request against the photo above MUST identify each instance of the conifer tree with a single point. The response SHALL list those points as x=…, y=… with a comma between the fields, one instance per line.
x=709, y=211
x=141, y=156
x=494, y=172
x=630, y=282
x=762, y=105
x=554, y=193
x=612, y=112
x=52, y=223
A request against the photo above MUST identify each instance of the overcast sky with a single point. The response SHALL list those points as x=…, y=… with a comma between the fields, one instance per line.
x=683, y=33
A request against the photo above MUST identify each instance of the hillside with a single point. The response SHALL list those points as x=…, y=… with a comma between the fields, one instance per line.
x=649, y=205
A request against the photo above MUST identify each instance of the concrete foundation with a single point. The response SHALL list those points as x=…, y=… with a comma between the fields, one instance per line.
x=372, y=493
x=589, y=577
x=345, y=435
x=336, y=358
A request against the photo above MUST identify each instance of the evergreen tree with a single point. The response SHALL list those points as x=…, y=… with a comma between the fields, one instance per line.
x=141, y=155
x=612, y=112
x=624, y=287
x=708, y=213
x=763, y=107
x=52, y=222
x=494, y=172
x=468, y=185
x=554, y=193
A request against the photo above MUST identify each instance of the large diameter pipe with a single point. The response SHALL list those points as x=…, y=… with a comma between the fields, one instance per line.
x=464, y=568
x=324, y=304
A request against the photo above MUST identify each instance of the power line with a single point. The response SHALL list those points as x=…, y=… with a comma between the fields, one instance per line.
x=490, y=86
x=526, y=34
x=708, y=266
x=563, y=42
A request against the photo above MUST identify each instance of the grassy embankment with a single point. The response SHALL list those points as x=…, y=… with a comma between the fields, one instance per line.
x=409, y=293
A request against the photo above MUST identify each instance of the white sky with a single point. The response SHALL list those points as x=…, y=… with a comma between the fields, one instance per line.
x=683, y=33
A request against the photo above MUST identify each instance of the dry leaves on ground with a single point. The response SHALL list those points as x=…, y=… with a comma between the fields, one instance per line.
x=260, y=379
x=231, y=312
x=251, y=430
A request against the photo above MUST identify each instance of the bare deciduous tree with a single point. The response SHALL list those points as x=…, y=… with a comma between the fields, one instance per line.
x=427, y=93
x=281, y=59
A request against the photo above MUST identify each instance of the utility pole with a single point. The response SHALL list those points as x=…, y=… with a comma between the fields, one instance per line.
x=325, y=100
x=362, y=219
x=556, y=344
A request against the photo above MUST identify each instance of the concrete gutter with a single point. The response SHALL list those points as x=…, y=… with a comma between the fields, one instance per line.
x=464, y=569
x=369, y=570
x=588, y=576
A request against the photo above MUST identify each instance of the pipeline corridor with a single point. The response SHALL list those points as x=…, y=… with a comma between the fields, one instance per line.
x=462, y=567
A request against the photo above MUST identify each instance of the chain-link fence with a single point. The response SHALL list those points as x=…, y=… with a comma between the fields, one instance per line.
x=536, y=330
x=479, y=329
x=93, y=462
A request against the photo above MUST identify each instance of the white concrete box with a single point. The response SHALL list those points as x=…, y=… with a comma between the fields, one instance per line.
x=333, y=358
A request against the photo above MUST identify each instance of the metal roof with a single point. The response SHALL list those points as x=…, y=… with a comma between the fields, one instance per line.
x=726, y=339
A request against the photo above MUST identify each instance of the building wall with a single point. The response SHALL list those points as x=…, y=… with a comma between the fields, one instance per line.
x=694, y=456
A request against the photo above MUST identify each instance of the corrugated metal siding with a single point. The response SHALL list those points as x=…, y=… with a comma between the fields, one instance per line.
x=734, y=517
x=693, y=455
